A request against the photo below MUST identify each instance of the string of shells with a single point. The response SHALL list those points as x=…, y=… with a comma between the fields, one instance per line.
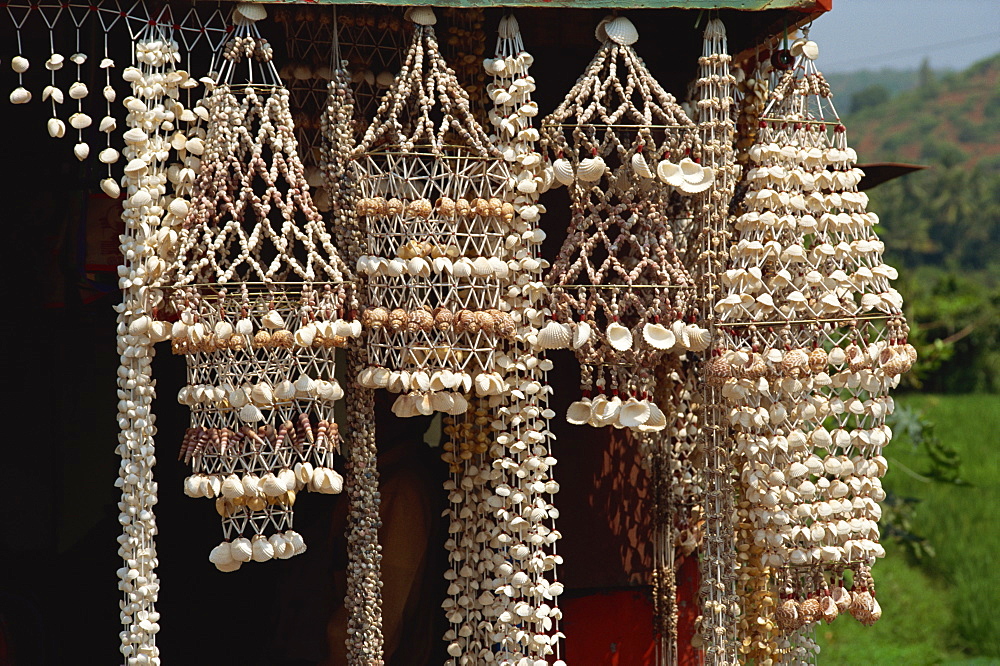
x=260, y=354
x=435, y=276
x=720, y=605
x=807, y=387
x=620, y=296
x=155, y=54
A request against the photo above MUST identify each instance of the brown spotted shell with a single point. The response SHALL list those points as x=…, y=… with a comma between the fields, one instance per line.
x=841, y=597
x=862, y=605
x=445, y=206
x=507, y=211
x=443, y=319
x=465, y=320
x=237, y=343
x=818, y=360
x=828, y=607
x=756, y=367
x=794, y=361
x=282, y=338
x=503, y=323
x=718, y=370
x=377, y=206
x=374, y=318
x=420, y=320
x=394, y=207
x=810, y=610
x=857, y=359
x=496, y=206
x=787, y=615
x=481, y=207
x=262, y=339
x=397, y=320
x=420, y=208
x=463, y=208
x=484, y=320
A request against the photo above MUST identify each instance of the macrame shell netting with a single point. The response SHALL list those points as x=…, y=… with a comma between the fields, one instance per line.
x=618, y=274
x=812, y=338
x=260, y=354
x=434, y=194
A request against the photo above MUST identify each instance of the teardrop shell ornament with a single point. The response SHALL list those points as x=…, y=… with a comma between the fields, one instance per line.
x=619, y=337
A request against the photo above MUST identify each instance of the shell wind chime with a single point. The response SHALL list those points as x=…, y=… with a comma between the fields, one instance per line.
x=259, y=290
x=435, y=196
x=620, y=296
x=503, y=582
x=812, y=338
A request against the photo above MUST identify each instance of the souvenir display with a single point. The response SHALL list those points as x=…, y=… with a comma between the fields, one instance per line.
x=720, y=283
x=620, y=296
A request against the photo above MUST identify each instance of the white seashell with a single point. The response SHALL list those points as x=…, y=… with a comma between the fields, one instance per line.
x=110, y=94
x=634, y=413
x=54, y=93
x=251, y=11
x=305, y=387
x=241, y=549
x=78, y=90
x=262, y=549
x=108, y=156
x=581, y=334
x=135, y=136
x=251, y=413
x=273, y=320
x=57, y=129
x=329, y=390
x=420, y=15
x=579, y=412
x=554, y=335
x=20, y=95
x=80, y=121
x=591, y=169
x=19, y=64
x=618, y=30
x=272, y=485
x=619, y=337
x=221, y=555
x=669, y=173
x=562, y=169
x=81, y=151
x=110, y=187
x=641, y=167
x=658, y=336
x=696, y=177
x=261, y=394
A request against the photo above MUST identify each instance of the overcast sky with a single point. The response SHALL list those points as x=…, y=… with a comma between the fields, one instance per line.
x=872, y=34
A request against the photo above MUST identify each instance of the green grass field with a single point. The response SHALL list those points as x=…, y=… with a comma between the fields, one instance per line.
x=943, y=610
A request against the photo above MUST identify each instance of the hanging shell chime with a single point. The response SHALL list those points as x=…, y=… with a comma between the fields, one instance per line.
x=436, y=198
x=620, y=296
x=812, y=338
x=258, y=287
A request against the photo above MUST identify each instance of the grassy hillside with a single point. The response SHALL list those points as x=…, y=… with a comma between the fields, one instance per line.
x=949, y=119
x=942, y=226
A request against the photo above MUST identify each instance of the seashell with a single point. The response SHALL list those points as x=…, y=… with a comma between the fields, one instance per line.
x=55, y=62
x=420, y=15
x=591, y=169
x=262, y=549
x=670, y=173
x=135, y=136
x=241, y=549
x=110, y=187
x=78, y=58
x=305, y=387
x=634, y=413
x=640, y=167
x=80, y=121
x=619, y=337
x=222, y=557
x=81, y=151
x=251, y=11
x=54, y=93
x=57, y=129
x=696, y=178
x=251, y=413
x=78, y=90
x=554, y=335
x=562, y=169
x=605, y=412
x=579, y=412
x=582, y=332
x=658, y=336
x=19, y=64
x=617, y=29
x=20, y=95
x=273, y=320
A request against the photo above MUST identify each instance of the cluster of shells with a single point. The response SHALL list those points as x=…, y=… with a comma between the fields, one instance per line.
x=189, y=336
x=490, y=321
